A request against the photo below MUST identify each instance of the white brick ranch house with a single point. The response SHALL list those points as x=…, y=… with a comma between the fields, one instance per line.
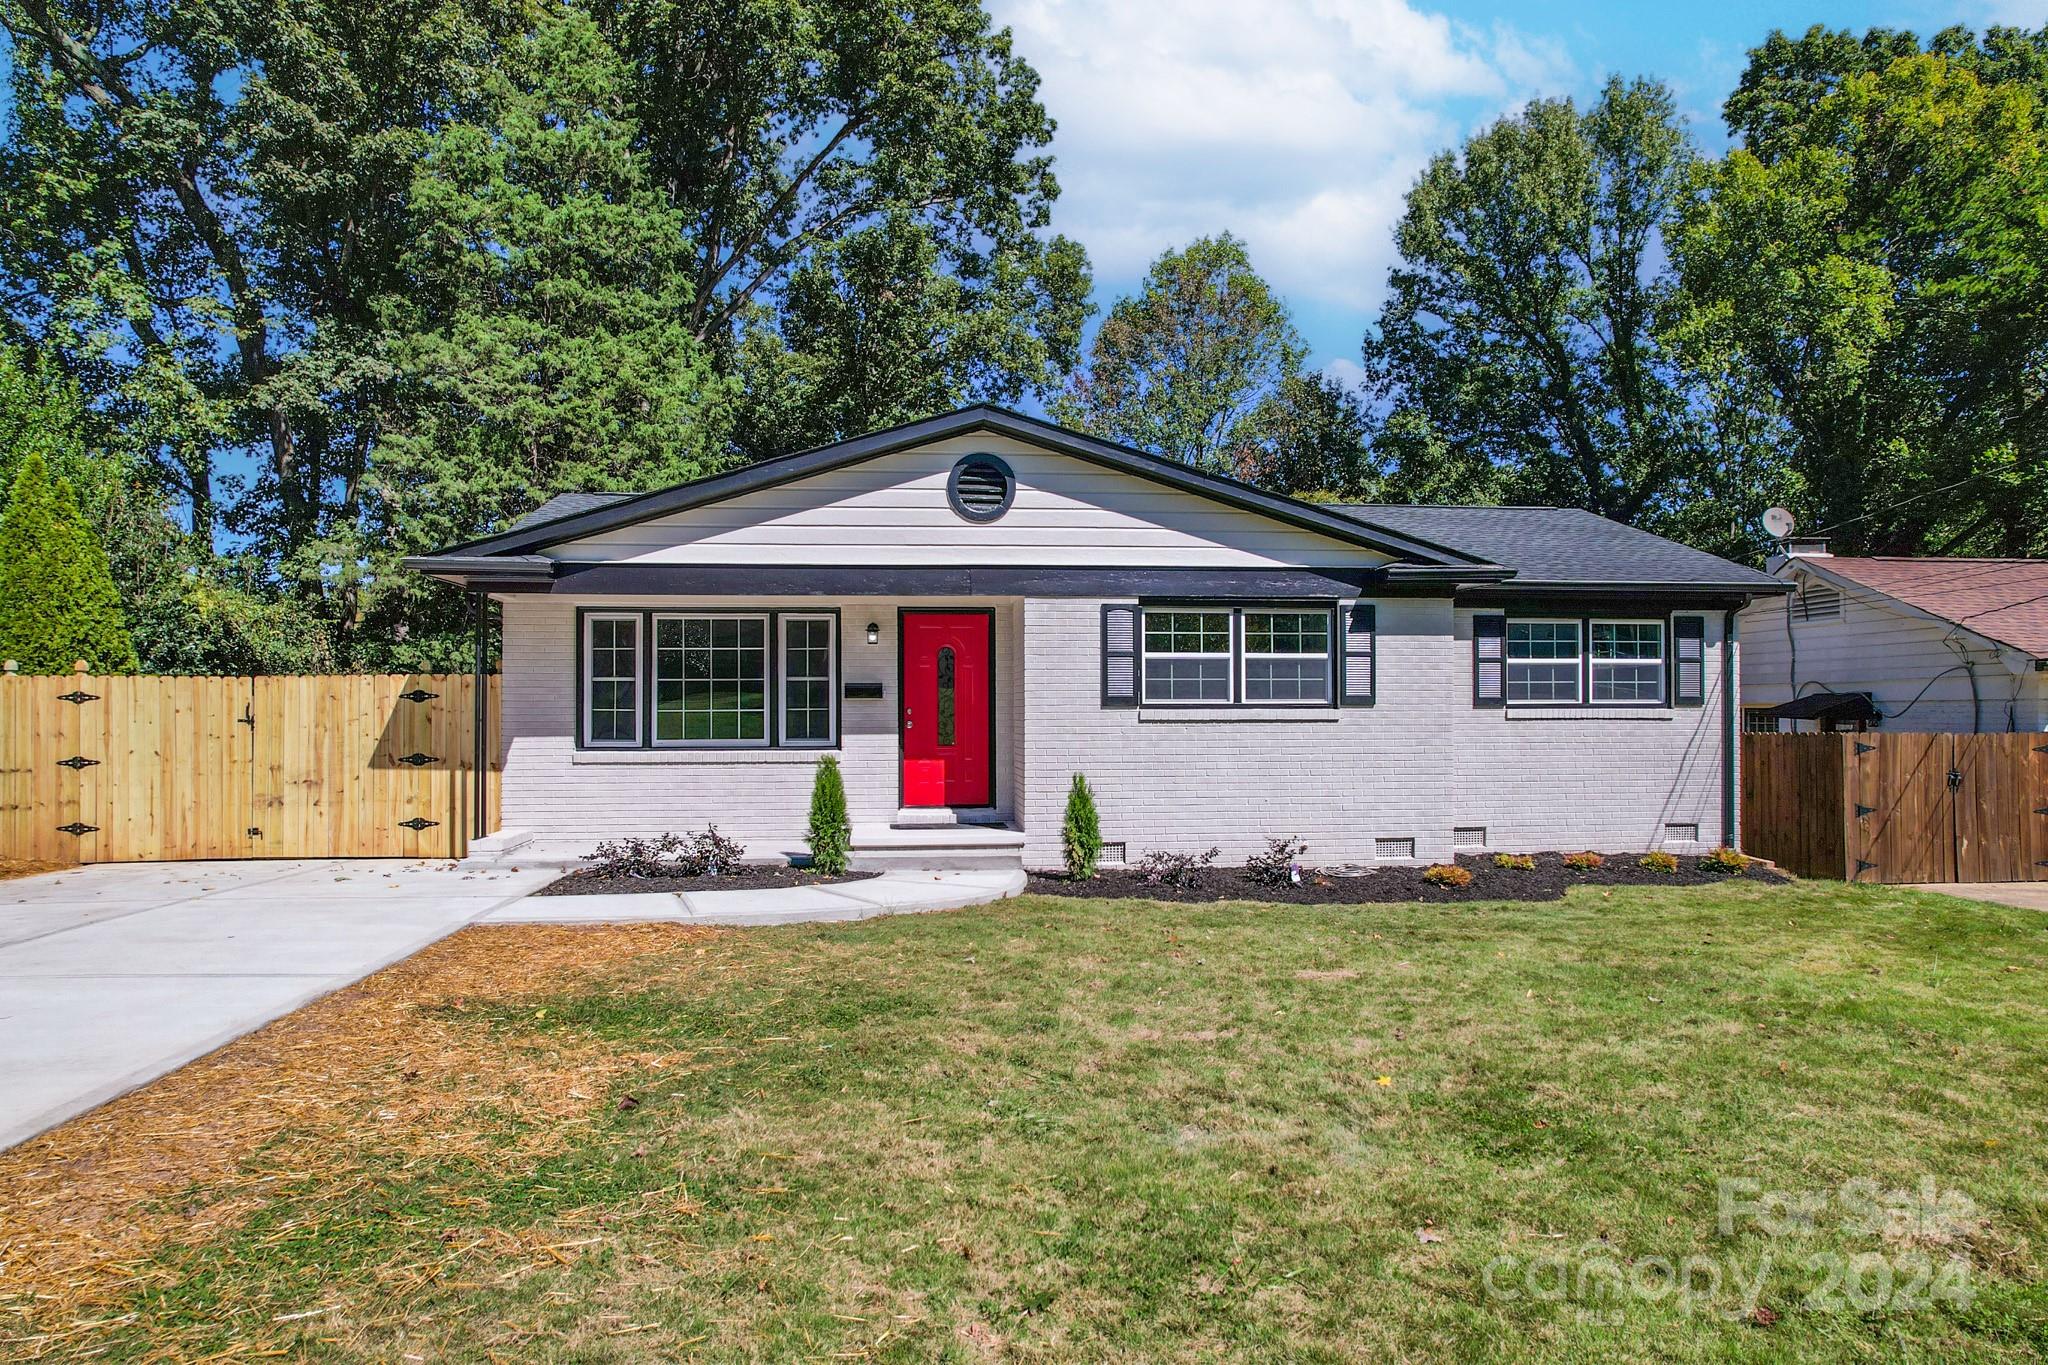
x=971, y=609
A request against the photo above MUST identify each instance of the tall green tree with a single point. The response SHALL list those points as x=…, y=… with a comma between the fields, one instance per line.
x=872, y=173
x=1310, y=438
x=58, y=603
x=1869, y=266
x=1185, y=367
x=1522, y=354
x=543, y=341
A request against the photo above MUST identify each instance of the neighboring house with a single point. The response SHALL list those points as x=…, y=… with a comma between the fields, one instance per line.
x=1904, y=644
x=971, y=609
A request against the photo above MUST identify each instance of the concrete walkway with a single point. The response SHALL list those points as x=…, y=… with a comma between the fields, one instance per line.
x=113, y=975
x=2019, y=895
x=892, y=893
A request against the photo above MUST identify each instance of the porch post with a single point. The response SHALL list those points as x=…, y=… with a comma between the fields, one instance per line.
x=480, y=761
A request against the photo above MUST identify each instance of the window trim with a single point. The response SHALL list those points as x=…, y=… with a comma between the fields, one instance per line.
x=1245, y=656
x=1235, y=612
x=1663, y=659
x=585, y=635
x=780, y=722
x=1585, y=624
x=1581, y=682
x=644, y=717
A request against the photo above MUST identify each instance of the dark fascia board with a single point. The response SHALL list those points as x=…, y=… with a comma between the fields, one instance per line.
x=1521, y=596
x=500, y=573
x=1003, y=422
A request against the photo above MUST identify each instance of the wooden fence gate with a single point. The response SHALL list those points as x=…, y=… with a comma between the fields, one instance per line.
x=1899, y=807
x=100, y=769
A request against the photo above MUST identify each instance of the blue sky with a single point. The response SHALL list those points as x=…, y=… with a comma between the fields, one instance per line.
x=1299, y=124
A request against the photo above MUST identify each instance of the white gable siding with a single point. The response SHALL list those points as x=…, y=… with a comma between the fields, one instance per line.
x=1895, y=655
x=893, y=510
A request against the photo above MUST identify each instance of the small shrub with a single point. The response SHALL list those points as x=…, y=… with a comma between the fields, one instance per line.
x=1276, y=866
x=661, y=856
x=1514, y=862
x=1726, y=859
x=713, y=855
x=1447, y=875
x=1161, y=868
x=667, y=855
x=1081, y=833
x=1658, y=861
x=1583, y=862
x=831, y=832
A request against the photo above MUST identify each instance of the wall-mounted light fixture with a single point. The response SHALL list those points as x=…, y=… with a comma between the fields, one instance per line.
x=874, y=633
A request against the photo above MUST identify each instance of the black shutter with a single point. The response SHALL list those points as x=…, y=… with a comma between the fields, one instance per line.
x=1360, y=683
x=1119, y=656
x=1489, y=660
x=1689, y=658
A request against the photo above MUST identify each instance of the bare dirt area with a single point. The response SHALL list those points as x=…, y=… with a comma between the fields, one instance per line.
x=393, y=1055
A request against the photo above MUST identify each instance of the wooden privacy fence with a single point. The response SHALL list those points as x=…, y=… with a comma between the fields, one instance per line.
x=1884, y=807
x=100, y=769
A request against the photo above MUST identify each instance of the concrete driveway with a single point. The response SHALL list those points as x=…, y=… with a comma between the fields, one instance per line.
x=113, y=975
x=2019, y=895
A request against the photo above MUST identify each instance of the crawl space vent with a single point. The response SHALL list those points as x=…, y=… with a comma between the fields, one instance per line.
x=1113, y=853
x=1393, y=848
x=1681, y=834
x=1469, y=836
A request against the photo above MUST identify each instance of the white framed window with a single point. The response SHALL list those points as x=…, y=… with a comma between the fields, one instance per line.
x=611, y=679
x=1187, y=656
x=710, y=680
x=1286, y=658
x=1628, y=662
x=1544, y=662
x=807, y=684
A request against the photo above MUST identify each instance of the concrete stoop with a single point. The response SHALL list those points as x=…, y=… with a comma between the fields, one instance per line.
x=937, y=848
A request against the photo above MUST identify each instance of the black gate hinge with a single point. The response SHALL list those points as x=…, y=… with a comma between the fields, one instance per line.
x=1862, y=866
x=78, y=827
x=1955, y=779
x=77, y=698
x=1863, y=810
x=1862, y=748
x=77, y=761
x=417, y=823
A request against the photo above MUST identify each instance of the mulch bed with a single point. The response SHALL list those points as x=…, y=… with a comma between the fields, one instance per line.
x=590, y=882
x=1547, y=881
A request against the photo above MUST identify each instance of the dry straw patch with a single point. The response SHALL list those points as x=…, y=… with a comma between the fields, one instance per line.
x=82, y=1207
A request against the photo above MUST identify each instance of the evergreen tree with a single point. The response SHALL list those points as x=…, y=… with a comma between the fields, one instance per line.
x=1081, y=832
x=831, y=832
x=58, y=603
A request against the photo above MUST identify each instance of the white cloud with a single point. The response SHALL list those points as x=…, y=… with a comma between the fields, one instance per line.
x=1297, y=124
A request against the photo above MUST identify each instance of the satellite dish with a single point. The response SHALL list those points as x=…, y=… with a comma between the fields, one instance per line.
x=1778, y=522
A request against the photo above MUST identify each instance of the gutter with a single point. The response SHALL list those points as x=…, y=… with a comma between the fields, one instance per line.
x=1731, y=737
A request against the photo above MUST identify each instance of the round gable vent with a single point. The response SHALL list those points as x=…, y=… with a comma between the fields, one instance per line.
x=981, y=487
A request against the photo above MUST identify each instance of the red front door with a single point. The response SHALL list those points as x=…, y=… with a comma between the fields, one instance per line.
x=948, y=739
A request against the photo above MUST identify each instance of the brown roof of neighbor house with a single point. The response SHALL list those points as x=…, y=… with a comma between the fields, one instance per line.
x=2003, y=599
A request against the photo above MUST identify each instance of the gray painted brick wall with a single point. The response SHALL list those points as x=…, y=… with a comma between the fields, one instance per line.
x=1420, y=763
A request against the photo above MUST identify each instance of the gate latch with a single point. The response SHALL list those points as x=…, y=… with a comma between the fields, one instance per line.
x=1955, y=779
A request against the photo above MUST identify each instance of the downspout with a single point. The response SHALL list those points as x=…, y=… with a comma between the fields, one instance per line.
x=1731, y=738
x=481, y=722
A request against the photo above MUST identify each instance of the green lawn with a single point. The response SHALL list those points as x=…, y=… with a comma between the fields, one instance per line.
x=1062, y=1130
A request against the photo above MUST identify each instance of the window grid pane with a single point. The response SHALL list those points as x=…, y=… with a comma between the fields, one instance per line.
x=807, y=680
x=1543, y=661
x=614, y=680
x=1287, y=656
x=1187, y=656
x=1628, y=661
x=711, y=678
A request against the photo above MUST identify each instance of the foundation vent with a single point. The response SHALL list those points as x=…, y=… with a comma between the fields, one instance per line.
x=1469, y=836
x=1681, y=834
x=1114, y=853
x=1393, y=848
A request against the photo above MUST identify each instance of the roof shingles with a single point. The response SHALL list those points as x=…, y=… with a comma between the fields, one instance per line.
x=2002, y=599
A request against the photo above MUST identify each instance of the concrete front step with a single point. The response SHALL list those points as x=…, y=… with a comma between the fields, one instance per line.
x=942, y=848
